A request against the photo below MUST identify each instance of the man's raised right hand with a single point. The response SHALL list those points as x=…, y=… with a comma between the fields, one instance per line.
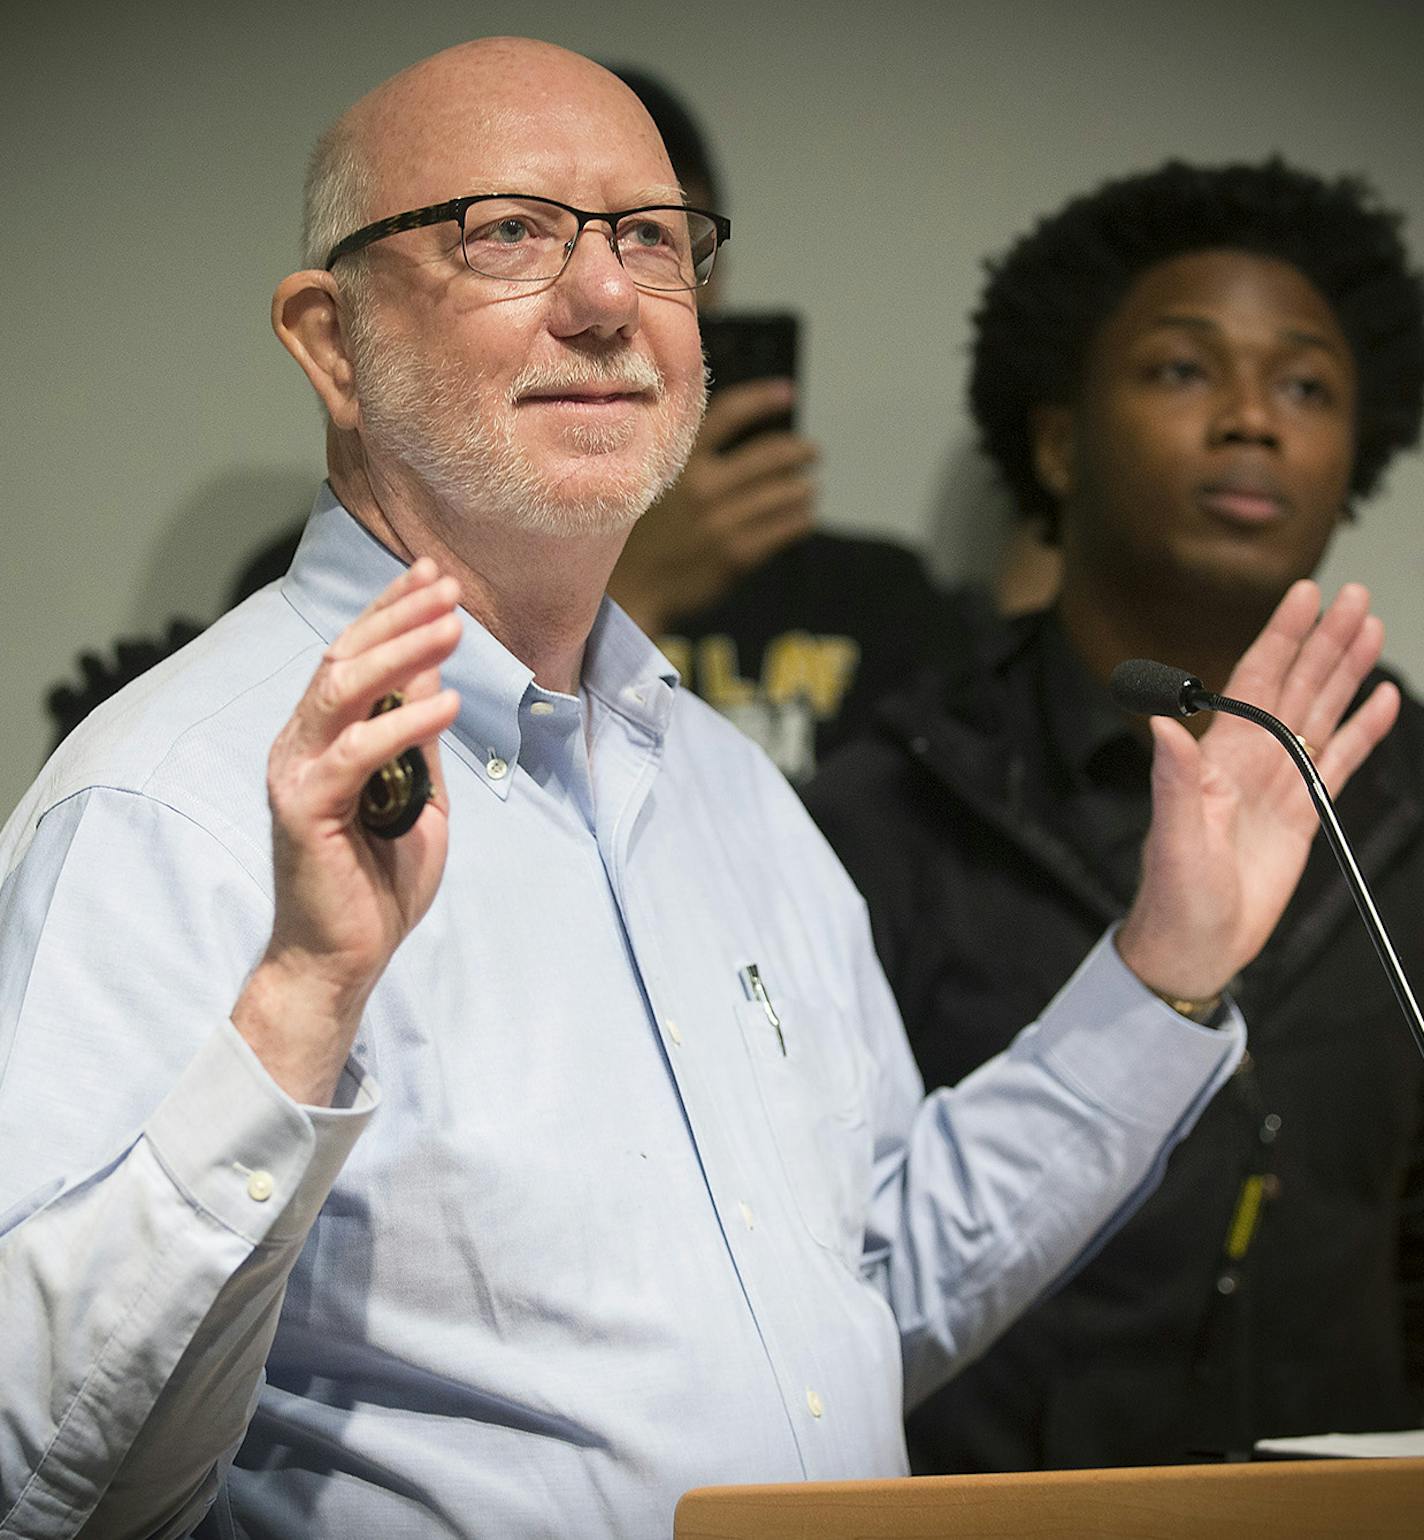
x=345, y=901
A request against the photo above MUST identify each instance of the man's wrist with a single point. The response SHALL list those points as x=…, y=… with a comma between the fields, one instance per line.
x=300, y=1025
x=1202, y=1011
x=1165, y=977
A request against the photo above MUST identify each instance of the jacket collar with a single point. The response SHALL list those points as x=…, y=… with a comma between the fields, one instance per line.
x=974, y=731
x=970, y=729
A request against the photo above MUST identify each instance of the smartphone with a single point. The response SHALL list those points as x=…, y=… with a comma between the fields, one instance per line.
x=749, y=346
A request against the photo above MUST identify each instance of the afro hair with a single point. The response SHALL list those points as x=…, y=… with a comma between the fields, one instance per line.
x=1048, y=296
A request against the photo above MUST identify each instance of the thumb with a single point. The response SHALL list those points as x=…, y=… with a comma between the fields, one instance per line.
x=736, y=407
x=1177, y=803
x=1179, y=928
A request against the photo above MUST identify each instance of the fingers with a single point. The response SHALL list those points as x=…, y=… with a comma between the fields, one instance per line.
x=792, y=494
x=423, y=687
x=421, y=573
x=759, y=539
x=1263, y=667
x=1349, y=747
x=336, y=776
x=1172, y=900
x=771, y=453
x=345, y=689
x=1333, y=658
x=737, y=407
x=725, y=515
x=1176, y=784
x=409, y=628
x=764, y=456
x=1319, y=682
x=1305, y=669
x=332, y=744
x=417, y=595
x=1320, y=712
x=1177, y=831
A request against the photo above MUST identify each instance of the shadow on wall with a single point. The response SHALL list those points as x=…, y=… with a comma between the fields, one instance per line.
x=198, y=566
x=977, y=536
x=971, y=517
x=197, y=555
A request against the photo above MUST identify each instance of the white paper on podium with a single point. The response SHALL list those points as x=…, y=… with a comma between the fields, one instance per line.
x=1348, y=1446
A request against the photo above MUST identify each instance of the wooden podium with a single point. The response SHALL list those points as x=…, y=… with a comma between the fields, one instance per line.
x=1277, y=1500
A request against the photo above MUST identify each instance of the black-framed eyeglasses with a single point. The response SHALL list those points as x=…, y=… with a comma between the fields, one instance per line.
x=523, y=239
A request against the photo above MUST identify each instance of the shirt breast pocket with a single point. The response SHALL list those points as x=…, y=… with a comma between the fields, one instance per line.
x=813, y=1076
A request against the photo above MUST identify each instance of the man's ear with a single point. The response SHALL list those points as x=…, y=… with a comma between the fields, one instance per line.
x=1051, y=428
x=306, y=315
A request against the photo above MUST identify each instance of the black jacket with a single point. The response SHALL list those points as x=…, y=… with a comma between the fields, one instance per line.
x=963, y=827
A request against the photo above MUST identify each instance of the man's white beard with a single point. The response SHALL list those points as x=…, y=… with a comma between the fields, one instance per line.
x=427, y=417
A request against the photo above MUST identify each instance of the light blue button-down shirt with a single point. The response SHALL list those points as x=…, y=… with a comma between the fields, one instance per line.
x=651, y=1198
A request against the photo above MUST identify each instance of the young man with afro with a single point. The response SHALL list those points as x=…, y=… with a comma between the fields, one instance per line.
x=1194, y=375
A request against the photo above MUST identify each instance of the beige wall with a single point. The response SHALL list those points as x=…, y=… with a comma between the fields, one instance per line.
x=153, y=432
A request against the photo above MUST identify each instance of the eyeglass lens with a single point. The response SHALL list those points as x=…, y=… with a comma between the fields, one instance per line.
x=525, y=239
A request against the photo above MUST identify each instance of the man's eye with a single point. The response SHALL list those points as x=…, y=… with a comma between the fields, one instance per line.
x=1177, y=371
x=647, y=233
x=1308, y=387
x=510, y=231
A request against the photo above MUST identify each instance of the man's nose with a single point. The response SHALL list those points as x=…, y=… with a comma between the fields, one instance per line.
x=1246, y=413
x=594, y=292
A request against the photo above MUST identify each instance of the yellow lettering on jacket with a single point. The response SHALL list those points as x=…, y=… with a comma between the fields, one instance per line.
x=820, y=668
x=795, y=666
x=718, y=681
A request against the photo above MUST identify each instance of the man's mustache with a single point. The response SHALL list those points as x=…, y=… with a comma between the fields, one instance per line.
x=628, y=372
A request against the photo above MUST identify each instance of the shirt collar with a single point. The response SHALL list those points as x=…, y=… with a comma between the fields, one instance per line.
x=1091, y=735
x=340, y=566
x=626, y=673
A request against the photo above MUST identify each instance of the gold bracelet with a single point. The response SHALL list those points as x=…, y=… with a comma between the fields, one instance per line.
x=1199, y=1011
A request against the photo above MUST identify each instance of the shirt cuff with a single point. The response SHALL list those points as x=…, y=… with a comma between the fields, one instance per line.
x=240, y=1148
x=1125, y=1049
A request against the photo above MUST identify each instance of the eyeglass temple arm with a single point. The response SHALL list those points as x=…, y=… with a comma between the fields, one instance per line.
x=413, y=219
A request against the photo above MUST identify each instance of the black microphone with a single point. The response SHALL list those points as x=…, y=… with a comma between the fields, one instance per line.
x=1156, y=689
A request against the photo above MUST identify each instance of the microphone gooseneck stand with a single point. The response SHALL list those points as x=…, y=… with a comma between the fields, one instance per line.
x=1155, y=689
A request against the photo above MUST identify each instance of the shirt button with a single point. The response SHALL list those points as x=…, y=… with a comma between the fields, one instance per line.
x=673, y=1033
x=813, y=1403
x=496, y=769
x=747, y=1218
x=260, y=1186
x=542, y=708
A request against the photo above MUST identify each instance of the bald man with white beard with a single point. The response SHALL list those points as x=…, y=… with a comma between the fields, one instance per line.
x=653, y=1197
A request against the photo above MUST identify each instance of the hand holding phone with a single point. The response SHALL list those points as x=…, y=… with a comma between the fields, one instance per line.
x=741, y=348
x=746, y=491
